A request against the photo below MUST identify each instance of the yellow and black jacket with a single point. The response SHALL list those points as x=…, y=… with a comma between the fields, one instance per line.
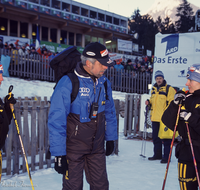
x=192, y=104
x=159, y=100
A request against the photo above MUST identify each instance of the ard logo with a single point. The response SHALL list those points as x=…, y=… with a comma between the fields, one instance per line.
x=172, y=43
x=182, y=73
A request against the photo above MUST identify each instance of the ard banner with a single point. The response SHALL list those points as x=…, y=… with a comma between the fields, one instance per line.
x=174, y=53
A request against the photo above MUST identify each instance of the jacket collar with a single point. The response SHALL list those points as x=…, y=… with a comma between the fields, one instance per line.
x=196, y=92
x=81, y=72
x=163, y=84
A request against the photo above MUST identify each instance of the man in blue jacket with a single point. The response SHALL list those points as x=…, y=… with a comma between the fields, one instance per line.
x=77, y=130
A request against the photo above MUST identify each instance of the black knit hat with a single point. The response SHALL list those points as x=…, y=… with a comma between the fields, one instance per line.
x=129, y=60
x=99, y=52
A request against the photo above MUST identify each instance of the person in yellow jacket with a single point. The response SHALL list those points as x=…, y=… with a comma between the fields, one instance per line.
x=161, y=96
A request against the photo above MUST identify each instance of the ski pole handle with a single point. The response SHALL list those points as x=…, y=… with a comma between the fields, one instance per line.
x=10, y=91
x=10, y=94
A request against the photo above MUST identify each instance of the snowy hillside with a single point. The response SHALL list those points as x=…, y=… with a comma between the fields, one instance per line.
x=168, y=8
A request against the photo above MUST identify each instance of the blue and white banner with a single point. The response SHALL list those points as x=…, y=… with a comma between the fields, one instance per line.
x=125, y=45
x=174, y=53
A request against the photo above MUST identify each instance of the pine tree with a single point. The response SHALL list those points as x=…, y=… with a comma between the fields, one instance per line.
x=159, y=24
x=186, y=18
x=168, y=26
x=146, y=29
x=135, y=21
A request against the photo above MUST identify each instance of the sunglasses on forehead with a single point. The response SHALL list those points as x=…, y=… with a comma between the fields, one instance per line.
x=194, y=69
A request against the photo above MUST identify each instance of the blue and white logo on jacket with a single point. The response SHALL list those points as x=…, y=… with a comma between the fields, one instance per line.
x=84, y=91
x=172, y=43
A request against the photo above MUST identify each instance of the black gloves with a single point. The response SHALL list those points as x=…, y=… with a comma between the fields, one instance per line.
x=185, y=115
x=109, y=147
x=61, y=165
x=179, y=97
x=10, y=99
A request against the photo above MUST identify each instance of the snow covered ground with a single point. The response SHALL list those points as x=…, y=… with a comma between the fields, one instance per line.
x=127, y=171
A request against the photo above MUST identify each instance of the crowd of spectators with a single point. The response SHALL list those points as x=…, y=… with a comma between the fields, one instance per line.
x=26, y=49
x=142, y=65
x=131, y=66
x=23, y=55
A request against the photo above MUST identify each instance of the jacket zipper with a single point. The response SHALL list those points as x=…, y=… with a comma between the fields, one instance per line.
x=76, y=130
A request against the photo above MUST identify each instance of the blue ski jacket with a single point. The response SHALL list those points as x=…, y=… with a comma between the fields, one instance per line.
x=70, y=127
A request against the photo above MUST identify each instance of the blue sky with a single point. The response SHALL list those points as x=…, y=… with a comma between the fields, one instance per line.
x=126, y=7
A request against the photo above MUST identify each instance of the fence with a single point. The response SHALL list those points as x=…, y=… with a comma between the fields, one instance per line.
x=132, y=117
x=132, y=114
x=129, y=81
x=36, y=67
x=32, y=118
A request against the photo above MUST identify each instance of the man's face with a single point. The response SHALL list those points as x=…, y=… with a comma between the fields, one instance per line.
x=159, y=80
x=1, y=78
x=97, y=69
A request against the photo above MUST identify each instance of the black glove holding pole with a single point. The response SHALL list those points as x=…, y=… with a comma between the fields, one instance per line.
x=9, y=99
x=179, y=97
x=185, y=115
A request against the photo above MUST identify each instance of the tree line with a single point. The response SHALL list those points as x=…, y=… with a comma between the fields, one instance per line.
x=147, y=28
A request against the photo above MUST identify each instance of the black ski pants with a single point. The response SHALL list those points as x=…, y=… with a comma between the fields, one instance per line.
x=95, y=171
x=187, y=176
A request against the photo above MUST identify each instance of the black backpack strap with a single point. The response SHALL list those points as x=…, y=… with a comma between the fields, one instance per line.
x=75, y=85
x=106, y=88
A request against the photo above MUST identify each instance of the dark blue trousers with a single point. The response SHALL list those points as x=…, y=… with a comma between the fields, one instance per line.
x=158, y=142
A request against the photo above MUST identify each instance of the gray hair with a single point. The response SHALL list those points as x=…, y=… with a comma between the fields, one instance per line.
x=84, y=59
